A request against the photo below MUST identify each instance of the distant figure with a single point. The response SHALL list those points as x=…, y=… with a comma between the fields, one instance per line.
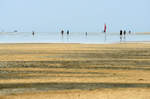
x=62, y=32
x=129, y=31
x=67, y=32
x=33, y=33
x=124, y=34
x=15, y=31
x=121, y=32
x=86, y=34
x=105, y=27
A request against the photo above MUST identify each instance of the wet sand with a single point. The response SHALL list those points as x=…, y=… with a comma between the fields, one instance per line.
x=75, y=71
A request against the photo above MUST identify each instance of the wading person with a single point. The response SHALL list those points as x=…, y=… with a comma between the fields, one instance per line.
x=33, y=33
x=67, y=32
x=129, y=31
x=62, y=32
x=120, y=35
x=124, y=34
x=86, y=34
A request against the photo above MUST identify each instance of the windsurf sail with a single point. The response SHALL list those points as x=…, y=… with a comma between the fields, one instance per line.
x=105, y=27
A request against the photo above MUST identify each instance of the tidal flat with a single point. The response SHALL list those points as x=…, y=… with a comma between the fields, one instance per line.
x=75, y=71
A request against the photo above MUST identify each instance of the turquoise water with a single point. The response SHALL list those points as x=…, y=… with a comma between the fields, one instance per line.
x=93, y=38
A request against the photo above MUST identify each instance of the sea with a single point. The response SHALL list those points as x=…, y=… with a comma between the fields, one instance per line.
x=76, y=37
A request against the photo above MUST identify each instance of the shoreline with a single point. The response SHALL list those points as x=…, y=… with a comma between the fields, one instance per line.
x=123, y=42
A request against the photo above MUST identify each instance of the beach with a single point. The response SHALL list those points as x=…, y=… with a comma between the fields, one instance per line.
x=74, y=71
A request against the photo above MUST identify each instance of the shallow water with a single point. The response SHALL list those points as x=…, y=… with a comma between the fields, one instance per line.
x=93, y=38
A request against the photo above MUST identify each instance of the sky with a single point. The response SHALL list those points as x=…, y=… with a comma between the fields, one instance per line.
x=74, y=15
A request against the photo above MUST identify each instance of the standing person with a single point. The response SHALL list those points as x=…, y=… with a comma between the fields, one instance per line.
x=129, y=31
x=120, y=35
x=33, y=33
x=62, y=32
x=67, y=35
x=124, y=34
x=67, y=32
x=86, y=34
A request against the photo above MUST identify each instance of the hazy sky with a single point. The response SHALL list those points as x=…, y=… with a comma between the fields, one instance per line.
x=75, y=15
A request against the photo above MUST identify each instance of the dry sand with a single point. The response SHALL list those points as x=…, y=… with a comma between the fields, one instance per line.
x=75, y=71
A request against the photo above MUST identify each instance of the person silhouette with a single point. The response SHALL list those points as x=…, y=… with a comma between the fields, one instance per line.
x=86, y=34
x=121, y=35
x=129, y=31
x=62, y=32
x=124, y=34
x=67, y=32
x=33, y=33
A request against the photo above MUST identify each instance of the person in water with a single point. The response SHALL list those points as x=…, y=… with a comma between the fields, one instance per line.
x=86, y=34
x=62, y=32
x=33, y=33
x=67, y=32
x=124, y=34
x=129, y=31
x=121, y=35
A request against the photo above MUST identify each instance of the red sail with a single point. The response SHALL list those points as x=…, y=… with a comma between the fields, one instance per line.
x=105, y=28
